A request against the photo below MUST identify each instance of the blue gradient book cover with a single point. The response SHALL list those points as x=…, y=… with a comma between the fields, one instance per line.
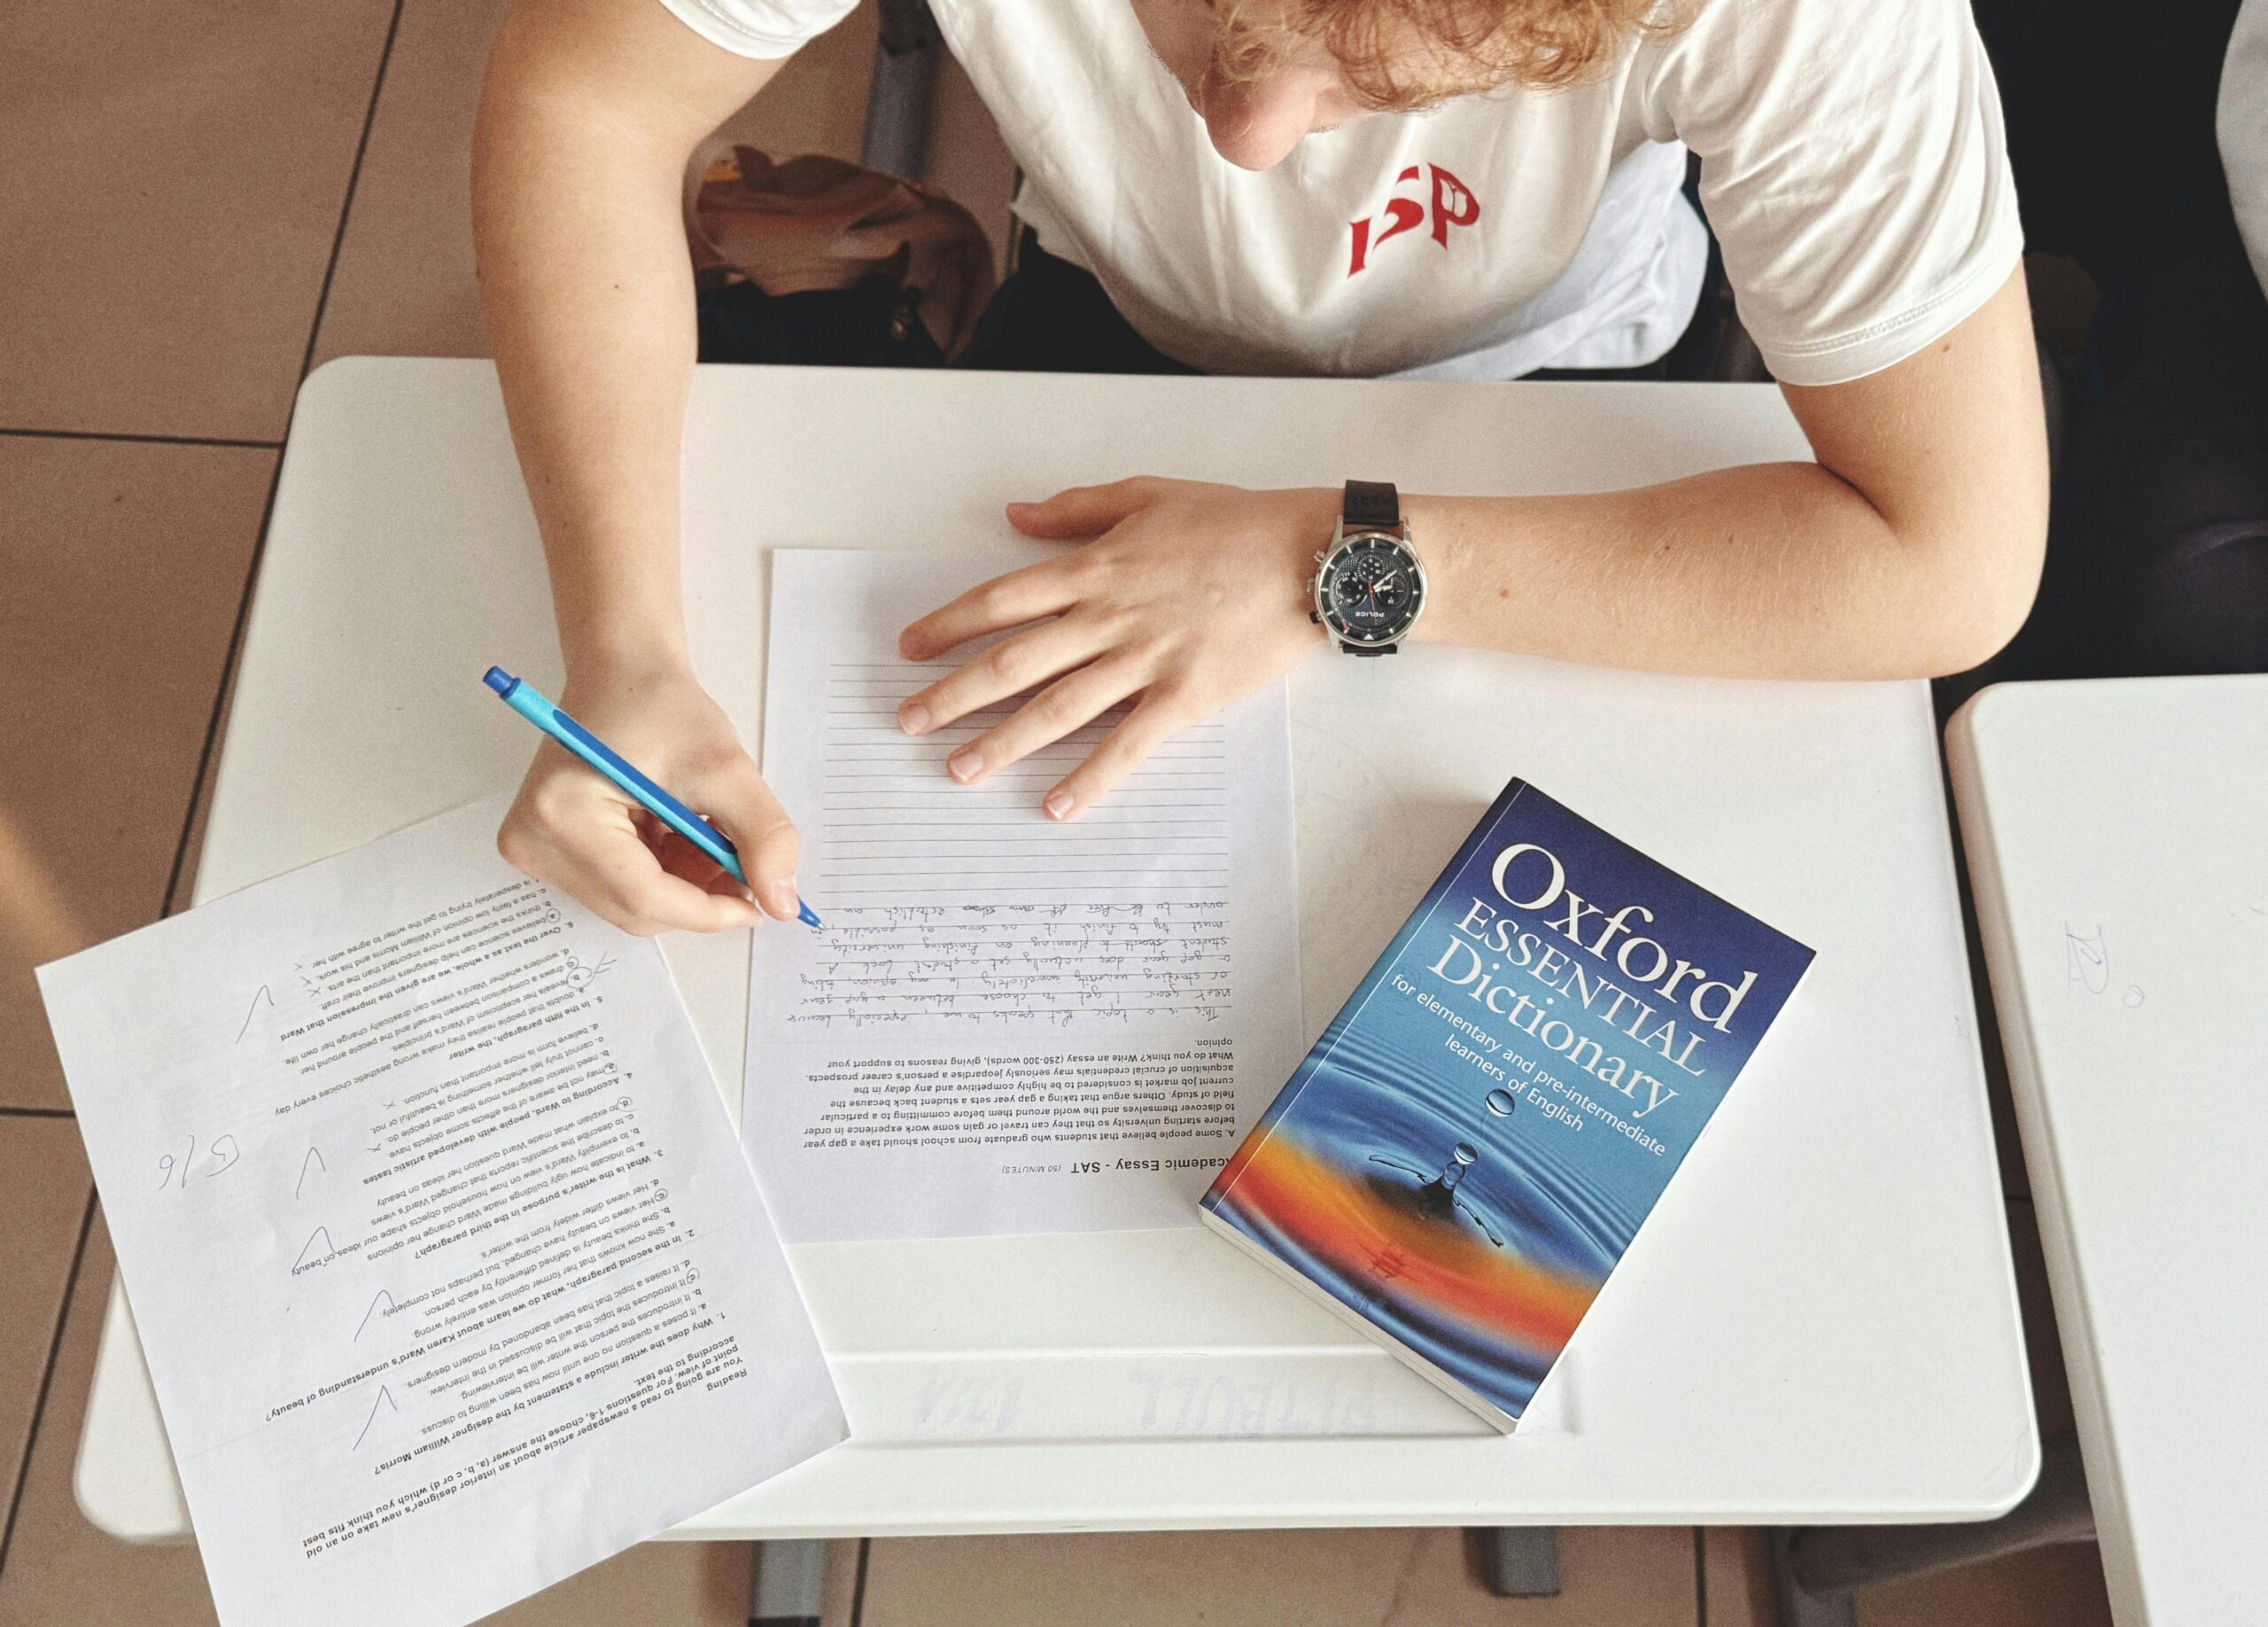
x=1477, y=1137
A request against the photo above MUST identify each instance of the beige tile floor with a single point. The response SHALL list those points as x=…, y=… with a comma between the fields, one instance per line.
x=193, y=211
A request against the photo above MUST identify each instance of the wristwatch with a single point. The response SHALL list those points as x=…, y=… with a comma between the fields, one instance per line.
x=1368, y=586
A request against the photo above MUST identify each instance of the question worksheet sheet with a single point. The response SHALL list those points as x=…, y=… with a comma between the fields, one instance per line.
x=1004, y=1023
x=450, y=1274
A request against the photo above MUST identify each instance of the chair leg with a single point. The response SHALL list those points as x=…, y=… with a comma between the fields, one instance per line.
x=898, y=94
x=1520, y=1561
x=789, y=1581
x=1799, y=1606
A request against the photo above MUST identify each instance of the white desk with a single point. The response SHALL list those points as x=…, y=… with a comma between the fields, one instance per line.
x=2115, y=831
x=1821, y=1325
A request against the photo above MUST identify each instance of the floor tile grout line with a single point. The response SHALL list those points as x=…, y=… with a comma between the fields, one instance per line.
x=347, y=207
x=1700, y=1577
x=858, y=1586
x=142, y=440
x=207, y=749
x=47, y=1378
x=206, y=752
x=28, y=1112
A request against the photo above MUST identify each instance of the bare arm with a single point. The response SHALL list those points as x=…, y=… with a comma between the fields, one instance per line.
x=589, y=114
x=1911, y=548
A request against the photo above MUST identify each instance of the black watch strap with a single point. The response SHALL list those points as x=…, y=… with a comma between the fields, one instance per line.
x=1371, y=505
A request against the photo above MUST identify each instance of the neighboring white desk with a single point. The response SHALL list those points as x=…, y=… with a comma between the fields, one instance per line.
x=1821, y=1326
x=2115, y=831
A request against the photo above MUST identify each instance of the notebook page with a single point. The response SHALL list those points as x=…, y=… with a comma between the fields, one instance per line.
x=1006, y=1024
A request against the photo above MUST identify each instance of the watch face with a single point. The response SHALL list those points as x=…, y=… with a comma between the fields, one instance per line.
x=1370, y=589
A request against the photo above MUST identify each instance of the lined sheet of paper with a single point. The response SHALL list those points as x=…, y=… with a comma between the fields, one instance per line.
x=450, y=1275
x=1123, y=915
x=1006, y=1024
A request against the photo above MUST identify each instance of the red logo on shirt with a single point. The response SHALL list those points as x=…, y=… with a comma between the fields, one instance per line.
x=1453, y=204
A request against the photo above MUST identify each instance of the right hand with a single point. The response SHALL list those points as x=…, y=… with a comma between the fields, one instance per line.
x=571, y=827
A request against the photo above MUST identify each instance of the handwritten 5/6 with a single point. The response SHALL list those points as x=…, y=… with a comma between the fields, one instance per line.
x=176, y=1172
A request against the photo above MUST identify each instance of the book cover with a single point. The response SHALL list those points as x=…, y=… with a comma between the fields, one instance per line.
x=1471, y=1147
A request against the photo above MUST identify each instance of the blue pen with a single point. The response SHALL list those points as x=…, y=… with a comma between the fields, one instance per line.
x=536, y=708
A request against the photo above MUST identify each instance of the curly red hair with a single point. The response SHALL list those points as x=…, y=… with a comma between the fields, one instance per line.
x=1405, y=54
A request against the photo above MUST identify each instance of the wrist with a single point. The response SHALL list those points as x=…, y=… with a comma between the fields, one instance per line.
x=1312, y=519
x=1439, y=541
x=624, y=660
x=618, y=599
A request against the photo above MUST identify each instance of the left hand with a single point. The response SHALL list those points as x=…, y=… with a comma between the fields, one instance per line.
x=1190, y=595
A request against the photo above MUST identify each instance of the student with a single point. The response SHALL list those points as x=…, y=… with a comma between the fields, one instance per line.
x=1428, y=188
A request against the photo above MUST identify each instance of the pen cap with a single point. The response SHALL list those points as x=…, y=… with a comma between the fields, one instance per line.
x=497, y=678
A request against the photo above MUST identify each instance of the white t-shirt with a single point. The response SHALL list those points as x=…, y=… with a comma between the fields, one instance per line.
x=1851, y=162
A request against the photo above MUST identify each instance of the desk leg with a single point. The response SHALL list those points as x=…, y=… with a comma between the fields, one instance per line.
x=1815, y=1571
x=786, y=1589
x=1520, y=1561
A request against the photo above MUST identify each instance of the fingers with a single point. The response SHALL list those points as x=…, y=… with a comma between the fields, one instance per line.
x=1081, y=510
x=1009, y=601
x=1066, y=704
x=741, y=805
x=588, y=845
x=623, y=882
x=1157, y=719
x=570, y=828
x=681, y=859
x=1009, y=667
